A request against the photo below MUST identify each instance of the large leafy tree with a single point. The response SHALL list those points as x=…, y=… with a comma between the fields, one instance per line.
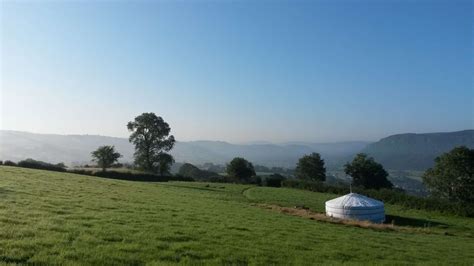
x=151, y=136
x=105, y=156
x=452, y=177
x=240, y=169
x=367, y=173
x=311, y=167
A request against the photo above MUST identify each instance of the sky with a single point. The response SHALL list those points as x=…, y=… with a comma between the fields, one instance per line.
x=238, y=71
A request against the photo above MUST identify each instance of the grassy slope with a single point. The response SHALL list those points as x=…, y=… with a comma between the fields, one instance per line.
x=49, y=217
x=429, y=221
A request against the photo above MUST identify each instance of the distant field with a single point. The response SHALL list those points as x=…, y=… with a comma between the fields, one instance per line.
x=60, y=218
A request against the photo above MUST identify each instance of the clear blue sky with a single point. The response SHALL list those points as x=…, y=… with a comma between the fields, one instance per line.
x=239, y=70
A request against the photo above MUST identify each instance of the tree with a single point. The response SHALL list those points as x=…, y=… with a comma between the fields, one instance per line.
x=311, y=167
x=152, y=140
x=240, y=169
x=105, y=156
x=194, y=172
x=274, y=180
x=452, y=177
x=189, y=170
x=367, y=173
x=165, y=161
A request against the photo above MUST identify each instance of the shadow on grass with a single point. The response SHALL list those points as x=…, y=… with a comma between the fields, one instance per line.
x=4, y=192
x=413, y=222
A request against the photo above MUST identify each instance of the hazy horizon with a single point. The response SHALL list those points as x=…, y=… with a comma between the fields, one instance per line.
x=238, y=71
x=257, y=142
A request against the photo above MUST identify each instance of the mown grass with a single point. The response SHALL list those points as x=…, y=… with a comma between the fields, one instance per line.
x=59, y=218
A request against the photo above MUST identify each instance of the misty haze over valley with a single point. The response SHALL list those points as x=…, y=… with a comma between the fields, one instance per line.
x=396, y=152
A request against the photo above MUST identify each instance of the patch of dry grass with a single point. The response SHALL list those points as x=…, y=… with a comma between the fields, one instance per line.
x=318, y=216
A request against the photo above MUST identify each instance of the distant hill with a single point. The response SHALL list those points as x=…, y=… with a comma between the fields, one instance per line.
x=283, y=155
x=70, y=149
x=76, y=149
x=416, y=151
x=396, y=152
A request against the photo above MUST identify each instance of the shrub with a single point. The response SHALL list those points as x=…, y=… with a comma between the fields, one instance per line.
x=256, y=180
x=315, y=186
x=241, y=170
x=220, y=179
x=30, y=163
x=311, y=167
x=132, y=176
x=105, y=156
x=9, y=163
x=274, y=180
x=194, y=172
x=1, y=162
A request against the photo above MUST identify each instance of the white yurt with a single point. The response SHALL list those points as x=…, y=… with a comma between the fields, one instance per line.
x=356, y=207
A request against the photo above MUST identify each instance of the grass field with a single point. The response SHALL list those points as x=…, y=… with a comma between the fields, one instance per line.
x=60, y=218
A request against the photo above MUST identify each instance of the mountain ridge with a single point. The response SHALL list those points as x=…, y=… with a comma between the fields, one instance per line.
x=407, y=151
x=417, y=151
x=75, y=149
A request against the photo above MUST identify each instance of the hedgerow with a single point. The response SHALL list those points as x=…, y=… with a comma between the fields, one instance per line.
x=132, y=176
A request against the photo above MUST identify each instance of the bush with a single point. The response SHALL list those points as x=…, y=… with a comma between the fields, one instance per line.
x=391, y=196
x=256, y=180
x=34, y=164
x=1, y=162
x=9, y=163
x=194, y=172
x=315, y=186
x=274, y=180
x=240, y=170
x=311, y=167
x=220, y=179
x=132, y=176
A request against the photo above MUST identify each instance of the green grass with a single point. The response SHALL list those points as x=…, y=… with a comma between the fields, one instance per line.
x=432, y=222
x=60, y=218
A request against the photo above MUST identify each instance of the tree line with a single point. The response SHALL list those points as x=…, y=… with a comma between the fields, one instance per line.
x=451, y=178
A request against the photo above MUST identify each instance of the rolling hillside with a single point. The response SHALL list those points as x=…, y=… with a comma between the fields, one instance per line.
x=60, y=218
x=416, y=151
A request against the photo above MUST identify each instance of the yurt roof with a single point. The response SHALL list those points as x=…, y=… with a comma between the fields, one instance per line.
x=354, y=201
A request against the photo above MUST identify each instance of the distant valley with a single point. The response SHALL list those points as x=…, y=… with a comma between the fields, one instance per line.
x=76, y=149
x=396, y=152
